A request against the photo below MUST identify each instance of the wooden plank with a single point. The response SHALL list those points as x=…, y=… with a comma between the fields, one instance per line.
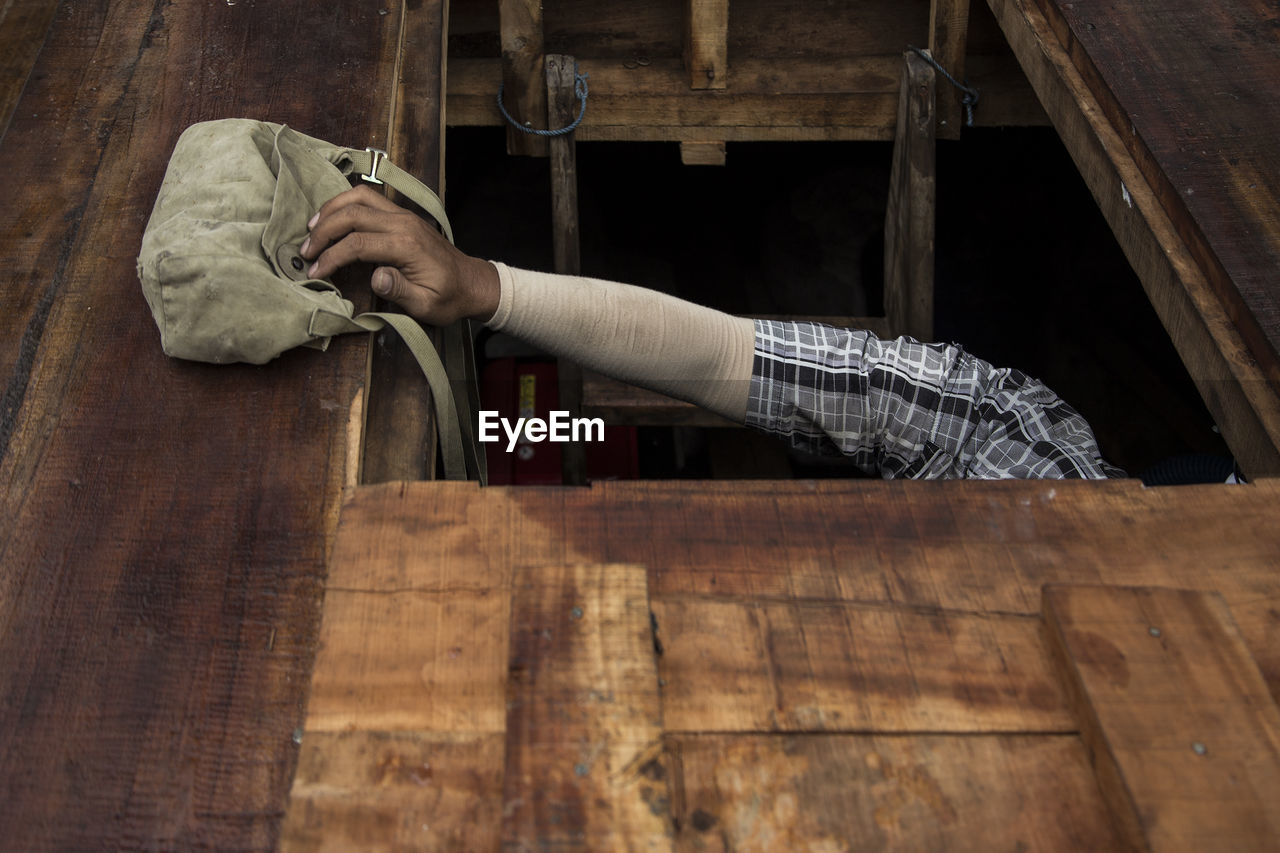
x=523, y=83
x=909, y=218
x=163, y=526
x=584, y=764
x=779, y=49
x=702, y=153
x=389, y=791
x=808, y=666
x=399, y=431
x=970, y=547
x=900, y=793
x=23, y=26
x=378, y=670
x=1235, y=388
x=948, y=38
x=403, y=741
x=706, y=43
x=841, y=98
x=1201, y=129
x=1178, y=720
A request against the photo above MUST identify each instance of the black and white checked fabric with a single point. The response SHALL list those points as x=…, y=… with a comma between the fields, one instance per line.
x=905, y=409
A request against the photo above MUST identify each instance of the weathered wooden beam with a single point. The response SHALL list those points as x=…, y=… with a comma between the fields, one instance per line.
x=948, y=35
x=1244, y=404
x=562, y=108
x=585, y=765
x=848, y=98
x=1183, y=733
x=399, y=429
x=523, y=81
x=909, y=220
x=706, y=43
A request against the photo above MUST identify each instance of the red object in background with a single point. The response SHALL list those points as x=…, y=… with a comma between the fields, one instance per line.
x=516, y=388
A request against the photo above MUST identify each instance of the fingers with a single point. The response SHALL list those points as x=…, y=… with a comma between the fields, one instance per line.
x=361, y=195
x=357, y=245
x=329, y=227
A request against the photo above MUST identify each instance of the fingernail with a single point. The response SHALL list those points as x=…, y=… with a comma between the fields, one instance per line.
x=311, y=223
x=302, y=250
x=312, y=272
x=381, y=282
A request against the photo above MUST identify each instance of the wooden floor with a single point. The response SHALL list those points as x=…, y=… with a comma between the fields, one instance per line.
x=164, y=526
x=768, y=665
x=213, y=637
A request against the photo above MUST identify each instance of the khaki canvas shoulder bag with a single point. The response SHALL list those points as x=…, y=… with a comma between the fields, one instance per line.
x=222, y=274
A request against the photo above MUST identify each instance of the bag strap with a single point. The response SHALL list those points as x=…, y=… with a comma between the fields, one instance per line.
x=457, y=446
x=374, y=167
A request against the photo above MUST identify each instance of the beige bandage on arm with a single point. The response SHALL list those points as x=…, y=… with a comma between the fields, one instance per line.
x=650, y=339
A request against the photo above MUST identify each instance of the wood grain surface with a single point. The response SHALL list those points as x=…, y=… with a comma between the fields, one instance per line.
x=1190, y=87
x=1176, y=716
x=584, y=766
x=865, y=792
x=1230, y=377
x=767, y=665
x=823, y=666
x=23, y=26
x=164, y=526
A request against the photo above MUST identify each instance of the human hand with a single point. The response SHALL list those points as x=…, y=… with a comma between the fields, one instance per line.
x=418, y=269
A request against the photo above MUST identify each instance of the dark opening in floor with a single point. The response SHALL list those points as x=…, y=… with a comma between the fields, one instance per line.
x=1028, y=274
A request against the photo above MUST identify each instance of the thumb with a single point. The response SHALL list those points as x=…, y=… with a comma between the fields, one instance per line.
x=417, y=301
x=388, y=283
x=391, y=284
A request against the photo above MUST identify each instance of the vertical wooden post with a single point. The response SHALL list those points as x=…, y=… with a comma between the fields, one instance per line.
x=706, y=43
x=400, y=430
x=909, y=220
x=948, y=33
x=524, y=93
x=562, y=108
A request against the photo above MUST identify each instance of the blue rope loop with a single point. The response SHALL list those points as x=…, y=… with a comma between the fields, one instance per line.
x=579, y=91
x=970, y=99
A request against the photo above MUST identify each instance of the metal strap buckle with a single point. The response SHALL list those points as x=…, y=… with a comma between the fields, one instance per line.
x=378, y=156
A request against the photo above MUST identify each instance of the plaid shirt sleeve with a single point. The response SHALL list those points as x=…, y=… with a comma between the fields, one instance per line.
x=905, y=409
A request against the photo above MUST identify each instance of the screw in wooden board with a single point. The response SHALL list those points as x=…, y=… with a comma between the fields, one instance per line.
x=580, y=769
x=1153, y=631
x=576, y=613
x=1199, y=749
